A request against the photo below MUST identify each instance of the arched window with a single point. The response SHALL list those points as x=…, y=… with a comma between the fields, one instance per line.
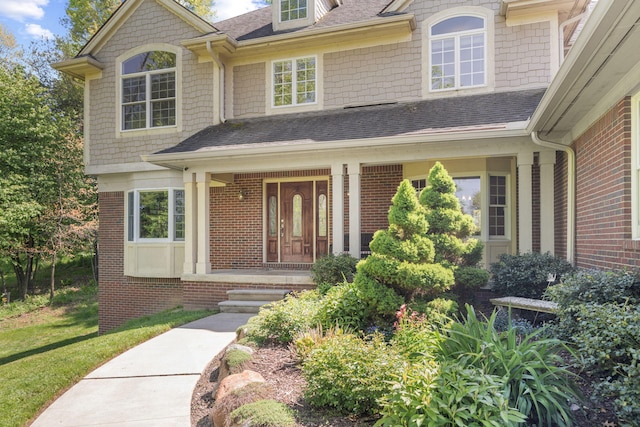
x=149, y=90
x=458, y=53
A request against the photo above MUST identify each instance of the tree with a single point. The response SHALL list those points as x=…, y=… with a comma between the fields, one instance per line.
x=402, y=257
x=42, y=180
x=450, y=230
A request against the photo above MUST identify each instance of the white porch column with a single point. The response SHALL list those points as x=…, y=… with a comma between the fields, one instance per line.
x=190, y=223
x=337, y=191
x=203, y=264
x=354, y=209
x=525, y=215
x=547, y=160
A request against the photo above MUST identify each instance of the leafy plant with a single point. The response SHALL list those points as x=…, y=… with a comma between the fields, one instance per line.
x=331, y=270
x=283, y=320
x=350, y=374
x=536, y=382
x=599, y=315
x=415, y=334
x=306, y=341
x=449, y=394
x=357, y=305
x=264, y=413
x=526, y=275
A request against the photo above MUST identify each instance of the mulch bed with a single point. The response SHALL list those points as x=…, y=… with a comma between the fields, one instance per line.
x=279, y=368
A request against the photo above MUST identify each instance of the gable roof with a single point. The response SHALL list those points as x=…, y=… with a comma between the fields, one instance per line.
x=258, y=23
x=487, y=111
x=126, y=9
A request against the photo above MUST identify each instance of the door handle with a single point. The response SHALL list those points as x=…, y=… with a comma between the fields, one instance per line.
x=282, y=228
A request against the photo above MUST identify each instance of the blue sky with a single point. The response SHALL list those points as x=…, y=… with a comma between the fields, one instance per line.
x=31, y=20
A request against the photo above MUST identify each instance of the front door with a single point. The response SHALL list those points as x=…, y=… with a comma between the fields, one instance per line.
x=291, y=213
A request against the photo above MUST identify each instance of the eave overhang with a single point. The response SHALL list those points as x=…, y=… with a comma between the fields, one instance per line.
x=595, y=71
x=83, y=67
x=390, y=27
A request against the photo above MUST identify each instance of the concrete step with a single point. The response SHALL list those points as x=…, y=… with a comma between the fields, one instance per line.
x=239, y=306
x=250, y=300
x=256, y=294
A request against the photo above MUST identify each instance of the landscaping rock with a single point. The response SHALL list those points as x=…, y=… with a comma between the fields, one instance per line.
x=227, y=368
x=235, y=384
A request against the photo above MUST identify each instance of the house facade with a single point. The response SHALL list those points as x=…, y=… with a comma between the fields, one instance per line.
x=235, y=154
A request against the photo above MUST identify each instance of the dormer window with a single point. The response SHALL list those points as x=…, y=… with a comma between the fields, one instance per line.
x=148, y=98
x=293, y=9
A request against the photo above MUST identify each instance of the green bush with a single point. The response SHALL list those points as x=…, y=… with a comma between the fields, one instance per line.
x=283, y=320
x=264, y=413
x=526, y=275
x=451, y=394
x=415, y=334
x=357, y=305
x=331, y=270
x=471, y=278
x=537, y=383
x=608, y=341
x=350, y=374
x=599, y=314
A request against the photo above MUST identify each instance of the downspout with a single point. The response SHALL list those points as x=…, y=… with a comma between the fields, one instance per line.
x=571, y=191
x=222, y=79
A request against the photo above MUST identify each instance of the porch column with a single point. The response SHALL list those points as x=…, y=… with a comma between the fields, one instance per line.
x=525, y=204
x=190, y=224
x=203, y=263
x=354, y=209
x=547, y=160
x=337, y=191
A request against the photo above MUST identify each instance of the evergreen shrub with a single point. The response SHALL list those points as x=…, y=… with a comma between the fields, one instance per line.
x=527, y=275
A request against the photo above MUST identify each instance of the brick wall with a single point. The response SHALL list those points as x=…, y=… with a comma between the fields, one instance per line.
x=122, y=298
x=560, y=204
x=603, y=186
x=237, y=226
x=207, y=295
x=379, y=185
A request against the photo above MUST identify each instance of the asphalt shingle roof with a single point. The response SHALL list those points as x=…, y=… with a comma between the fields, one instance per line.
x=397, y=119
x=257, y=24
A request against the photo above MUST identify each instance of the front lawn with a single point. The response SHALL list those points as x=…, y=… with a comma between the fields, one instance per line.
x=46, y=351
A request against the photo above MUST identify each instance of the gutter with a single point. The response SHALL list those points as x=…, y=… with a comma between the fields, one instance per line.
x=221, y=66
x=571, y=191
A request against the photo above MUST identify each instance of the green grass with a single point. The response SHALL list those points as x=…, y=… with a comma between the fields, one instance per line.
x=46, y=351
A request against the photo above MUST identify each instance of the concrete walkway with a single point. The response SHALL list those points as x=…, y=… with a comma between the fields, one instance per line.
x=149, y=385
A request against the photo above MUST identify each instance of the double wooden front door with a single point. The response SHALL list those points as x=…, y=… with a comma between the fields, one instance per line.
x=297, y=221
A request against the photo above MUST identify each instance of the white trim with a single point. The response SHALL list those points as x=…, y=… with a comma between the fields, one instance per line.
x=165, y=47
x=635, y=166
x=293, y=107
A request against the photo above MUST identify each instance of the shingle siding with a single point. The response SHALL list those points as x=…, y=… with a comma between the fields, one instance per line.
x=150, y=23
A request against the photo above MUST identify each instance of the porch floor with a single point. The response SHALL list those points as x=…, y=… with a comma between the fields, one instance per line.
x=254, y=276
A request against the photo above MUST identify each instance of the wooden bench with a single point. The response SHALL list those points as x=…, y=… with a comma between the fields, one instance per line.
x=525, y=304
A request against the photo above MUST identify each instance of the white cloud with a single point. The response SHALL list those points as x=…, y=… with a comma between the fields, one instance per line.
x=37, y=32
x=226, y=9
x=20, y=10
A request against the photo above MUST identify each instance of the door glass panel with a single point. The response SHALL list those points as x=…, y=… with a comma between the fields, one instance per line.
x=297, y=215
x=322, y=215
x=273, y=220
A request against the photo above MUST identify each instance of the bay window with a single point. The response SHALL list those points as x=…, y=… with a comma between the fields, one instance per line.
x=155, y=215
